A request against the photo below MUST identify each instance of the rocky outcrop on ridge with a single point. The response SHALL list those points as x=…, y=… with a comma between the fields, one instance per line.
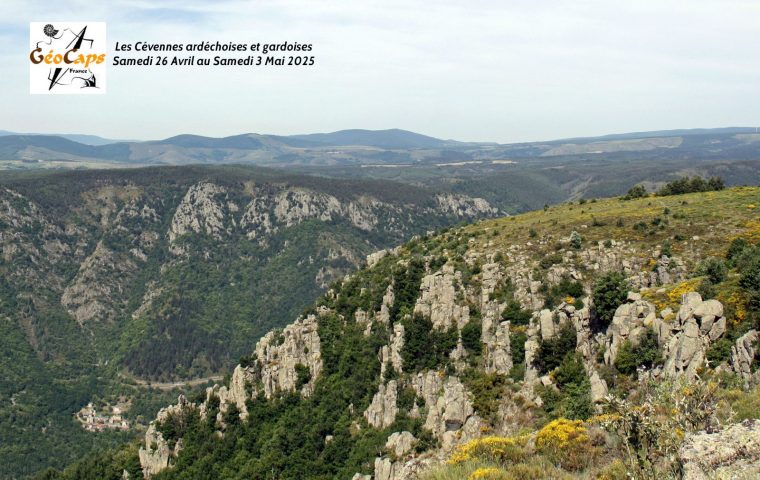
x=732, y=453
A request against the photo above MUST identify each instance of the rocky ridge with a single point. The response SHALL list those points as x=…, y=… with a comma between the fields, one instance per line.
x=476, y=284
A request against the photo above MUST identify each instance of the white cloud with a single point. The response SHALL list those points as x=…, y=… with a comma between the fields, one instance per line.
x=478, y=70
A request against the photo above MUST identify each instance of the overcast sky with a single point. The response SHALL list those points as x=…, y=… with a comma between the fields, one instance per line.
x=473, y=70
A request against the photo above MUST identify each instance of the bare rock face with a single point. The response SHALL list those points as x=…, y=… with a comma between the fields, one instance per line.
x=386, y=469
x=599, y=388
x=451, y=416
x=546, y=322
x=274, y=367
x=271, y=210
x=498, y=356
x=428, y=386
x=687, y=339
x=156, y=456
x=532, y=347
x=617, y=257
x=202, y=210
x=463, y=206
x=391, y=354
x=374, y=258
x=381, y=413
x=743, y=354
x=279, y=353
x=89, y=297
x=236, y=394
x=630, y=322
x=438, y=299
x=384, y=315
x=733, y=453
x=400, y=443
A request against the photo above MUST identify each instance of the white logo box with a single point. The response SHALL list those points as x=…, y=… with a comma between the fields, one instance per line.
x=60, y=70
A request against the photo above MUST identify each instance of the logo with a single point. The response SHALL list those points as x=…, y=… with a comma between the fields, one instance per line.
x=67, y=57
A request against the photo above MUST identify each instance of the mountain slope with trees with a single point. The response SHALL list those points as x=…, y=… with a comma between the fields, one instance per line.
x=596, y=339
x=111, y=280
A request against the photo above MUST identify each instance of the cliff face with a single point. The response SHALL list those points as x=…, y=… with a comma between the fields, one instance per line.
x=169, y=274
x=132, y=248
x=493, y=327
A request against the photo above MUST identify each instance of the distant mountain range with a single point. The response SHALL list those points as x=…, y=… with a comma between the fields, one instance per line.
x=361, y=147
x=86, y=139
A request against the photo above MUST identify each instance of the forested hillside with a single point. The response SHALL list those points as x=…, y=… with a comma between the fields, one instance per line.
x=596, y=339
x=110, y=280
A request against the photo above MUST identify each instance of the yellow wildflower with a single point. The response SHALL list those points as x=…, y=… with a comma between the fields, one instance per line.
x=561, y=433
x=491, y=448
x=482, y=473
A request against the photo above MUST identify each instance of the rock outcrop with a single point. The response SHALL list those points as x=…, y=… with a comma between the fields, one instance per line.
x=686, y=340
x=400, y=443
x=391, y=354
x=156, y=455
x=275, y=208
x=451, y=416
x=237, y=393
x=463, y=206
x=438, y=299
x=743, y=354
x=733, y=453
x=381, y=413
x=279, y=353
x=629, y=323
x=202, y=210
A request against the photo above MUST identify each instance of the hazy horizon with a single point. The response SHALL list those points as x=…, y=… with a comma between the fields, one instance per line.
x=551, y=139
x=486, y=71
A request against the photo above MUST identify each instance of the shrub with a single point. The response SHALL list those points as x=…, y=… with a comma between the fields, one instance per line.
x=561, y=291
x=547, y=261
x=517, y=339
x=571, y=370
x=637, y=191
x=424, y=347
x=487, y=473
x=515, y=315
x=495, y=449
x=691, y=185
x=610, y=291
x=303, y=375
x=517, y=372
x=566, y=442
x=714, y=268
x=736, y=248
x=471, y=336
x=552, y=351
x=706, y=289
x=666, y=249
x=748, y=265
x=576, y=240
x=719, y=351
x=487, y=389
x=503, y=292
x=406, y=399
x=652, y=430
x=645, y=354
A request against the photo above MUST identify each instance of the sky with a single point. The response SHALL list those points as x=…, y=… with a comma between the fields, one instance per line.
x=477, y=70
